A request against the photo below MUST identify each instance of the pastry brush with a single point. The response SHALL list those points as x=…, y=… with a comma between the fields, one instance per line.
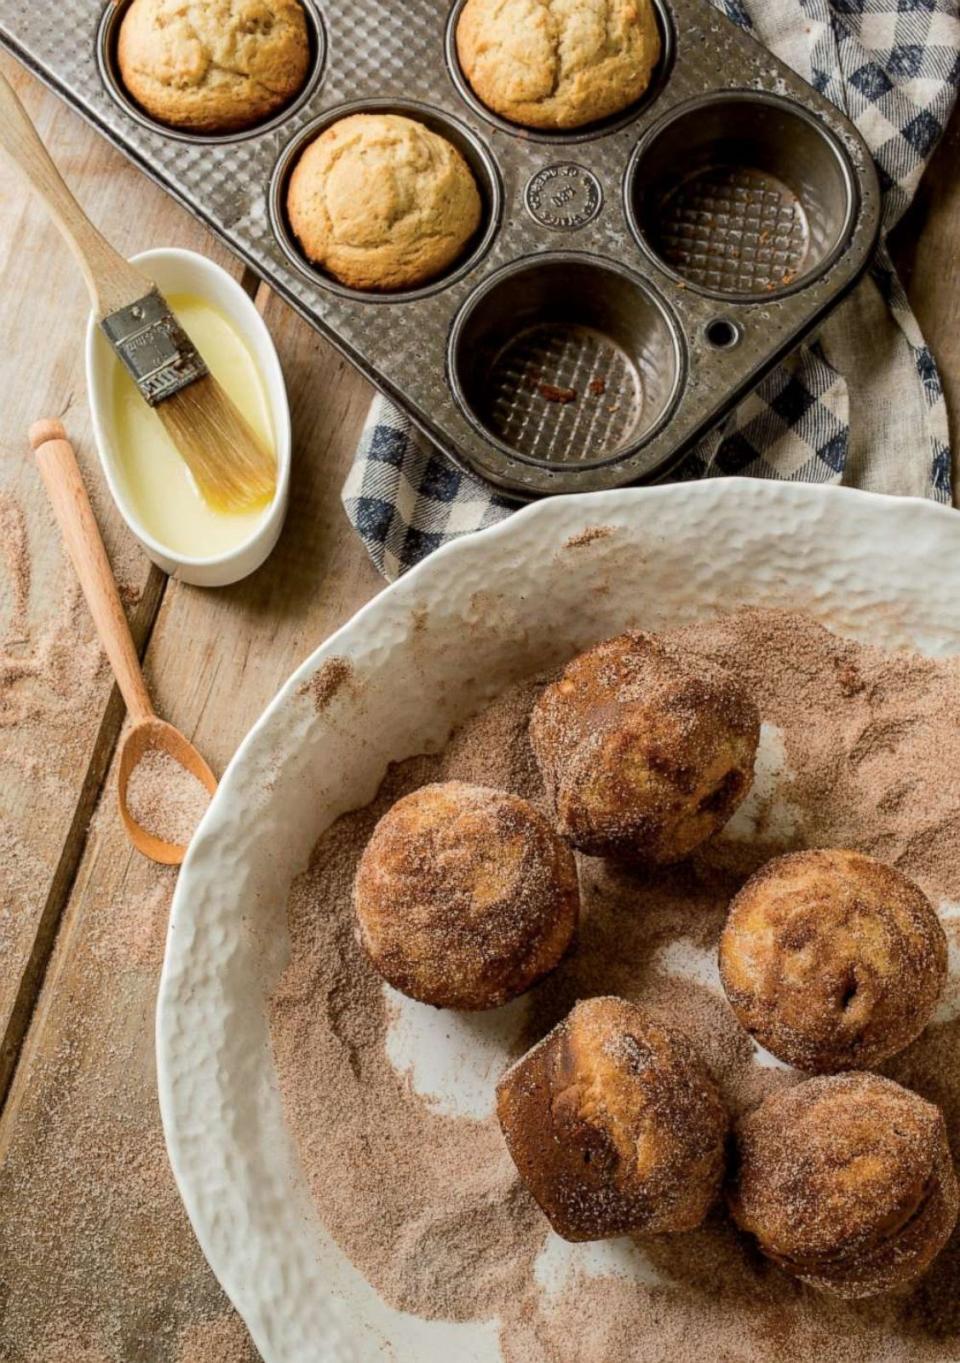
x=232, y=468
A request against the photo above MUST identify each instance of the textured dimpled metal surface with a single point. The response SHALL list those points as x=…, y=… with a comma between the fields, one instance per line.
x=559, y=389
x=733, y=190
x=734, y=230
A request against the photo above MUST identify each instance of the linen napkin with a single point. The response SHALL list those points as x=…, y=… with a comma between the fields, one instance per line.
x=861, y=405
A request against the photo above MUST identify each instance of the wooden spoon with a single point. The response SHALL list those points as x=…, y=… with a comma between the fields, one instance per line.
x=71, y=506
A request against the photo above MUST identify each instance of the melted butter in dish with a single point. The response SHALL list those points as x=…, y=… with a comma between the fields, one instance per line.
x=156, y=482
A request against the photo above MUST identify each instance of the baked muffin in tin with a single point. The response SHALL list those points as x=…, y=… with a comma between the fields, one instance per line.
x=381, y=202
x=213, y=66
x=558, y=63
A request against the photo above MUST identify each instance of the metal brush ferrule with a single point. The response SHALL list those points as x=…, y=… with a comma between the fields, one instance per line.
x=154, y=348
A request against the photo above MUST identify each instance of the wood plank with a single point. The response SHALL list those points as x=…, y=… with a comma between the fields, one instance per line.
x=97, y=1261
x=57, y=721
x=926, y=251
x=95, y=1248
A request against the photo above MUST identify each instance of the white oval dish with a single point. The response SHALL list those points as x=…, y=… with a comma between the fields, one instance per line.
x=423, y=655
x=179, y=271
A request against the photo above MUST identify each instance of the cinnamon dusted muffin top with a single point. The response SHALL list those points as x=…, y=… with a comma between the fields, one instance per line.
x=615, y=1124
x=847, y=1182
x=465, y=896
x=832, y=959
x=645, y=754
x=213, y=66
x=382, y=202
x=558, y=63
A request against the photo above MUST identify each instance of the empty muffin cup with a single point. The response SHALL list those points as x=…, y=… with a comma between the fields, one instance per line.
x=741, y=195
x=107, y=39
x=469, y=145
x=565, y=361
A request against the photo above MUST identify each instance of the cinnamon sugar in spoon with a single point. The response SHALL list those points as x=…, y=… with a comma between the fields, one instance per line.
x=61, y=476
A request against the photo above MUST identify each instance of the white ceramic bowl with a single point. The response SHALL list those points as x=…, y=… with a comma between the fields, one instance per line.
x=177, y=271
x=489, y=608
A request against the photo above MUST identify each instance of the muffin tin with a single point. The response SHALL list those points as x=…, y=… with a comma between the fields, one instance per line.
x=630, y=281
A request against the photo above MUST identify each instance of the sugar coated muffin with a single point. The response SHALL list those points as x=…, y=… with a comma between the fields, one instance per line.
x=615, y=1124
x=381, y=202
x=832, y=960
x=213, y=66
x=846, y=1182
x=643, y=756
x=558, y=63
x=465, y=896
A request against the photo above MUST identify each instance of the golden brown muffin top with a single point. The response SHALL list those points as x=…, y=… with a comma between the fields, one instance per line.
x=383, y=202
x=558, y=63
x=832, y=959
x=213, y=65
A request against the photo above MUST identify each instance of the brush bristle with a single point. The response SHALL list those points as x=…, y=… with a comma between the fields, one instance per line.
x=233, y=469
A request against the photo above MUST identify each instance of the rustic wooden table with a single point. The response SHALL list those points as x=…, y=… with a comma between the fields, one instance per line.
x=97, y=1260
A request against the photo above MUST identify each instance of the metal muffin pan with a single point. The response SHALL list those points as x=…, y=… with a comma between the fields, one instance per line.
x=656, y=265
x=741, y=196
x=563, y=323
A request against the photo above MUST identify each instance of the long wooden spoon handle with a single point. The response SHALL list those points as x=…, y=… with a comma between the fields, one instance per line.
x=111, y=281
x=71, y=506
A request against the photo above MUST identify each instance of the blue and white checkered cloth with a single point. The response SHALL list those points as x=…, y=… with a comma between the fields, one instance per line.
x=862, y=405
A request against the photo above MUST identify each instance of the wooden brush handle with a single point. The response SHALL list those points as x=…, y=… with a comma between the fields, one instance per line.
x=71, y=506
x=111, y=281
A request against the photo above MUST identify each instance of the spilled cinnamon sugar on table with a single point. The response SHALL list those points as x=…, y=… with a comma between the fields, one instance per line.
x=860, y=748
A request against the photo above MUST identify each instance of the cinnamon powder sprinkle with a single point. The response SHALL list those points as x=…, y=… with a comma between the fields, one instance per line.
x=860, y=749
x=165, y=799
x=329, y=678
x=588, y=536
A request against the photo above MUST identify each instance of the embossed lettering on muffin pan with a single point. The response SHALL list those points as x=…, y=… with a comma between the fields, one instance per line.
x=630, y=282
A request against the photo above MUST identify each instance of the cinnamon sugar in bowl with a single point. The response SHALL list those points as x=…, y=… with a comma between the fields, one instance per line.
x=335, y=1144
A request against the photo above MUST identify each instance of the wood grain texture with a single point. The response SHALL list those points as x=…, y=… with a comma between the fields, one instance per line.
x=58, y=723
x=111, y=281
x=57, y=465
x=97, y=1260
x=83, y=1110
